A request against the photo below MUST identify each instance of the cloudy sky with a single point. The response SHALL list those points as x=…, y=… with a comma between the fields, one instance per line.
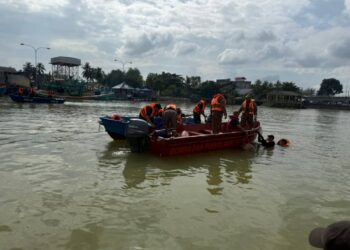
x=303, y=41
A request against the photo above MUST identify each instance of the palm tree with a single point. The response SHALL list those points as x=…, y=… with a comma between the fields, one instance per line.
x=87, y=71
x=40, y=68
x=29, y=70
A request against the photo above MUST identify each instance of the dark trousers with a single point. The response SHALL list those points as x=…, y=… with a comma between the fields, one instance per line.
x=216, y=121
x=196, y=118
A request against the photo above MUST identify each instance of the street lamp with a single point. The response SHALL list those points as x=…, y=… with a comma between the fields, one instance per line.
x=123, y=63
x=35, y=54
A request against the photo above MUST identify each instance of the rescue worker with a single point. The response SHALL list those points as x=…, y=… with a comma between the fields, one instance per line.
x=150, y=111
x=218, y=109
x=20, y=91
x=170, y=117
x=198, y=111
x=249, y=112
x=31, y=92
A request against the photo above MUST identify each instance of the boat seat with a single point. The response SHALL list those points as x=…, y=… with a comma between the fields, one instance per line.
x=194, y=133
x=207, y=131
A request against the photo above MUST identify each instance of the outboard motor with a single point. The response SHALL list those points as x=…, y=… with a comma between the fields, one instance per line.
x=136, y=133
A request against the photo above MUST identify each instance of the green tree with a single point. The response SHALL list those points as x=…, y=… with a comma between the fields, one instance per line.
x=309, y=92
x=134, y=78
x=29, y=70
x=40, y=68
x=99, y=75
x=193, y=81
x=114, y=77
x=207, y=90
x=290, y=86
x=88, y=72
x=161, y=82
x=330, y=87
x=154, y=81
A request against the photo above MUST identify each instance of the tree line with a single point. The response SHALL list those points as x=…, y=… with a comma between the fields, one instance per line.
x=171, y=84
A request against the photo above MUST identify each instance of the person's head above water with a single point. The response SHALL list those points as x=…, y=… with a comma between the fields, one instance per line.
x=283, y=142
x=270, y=137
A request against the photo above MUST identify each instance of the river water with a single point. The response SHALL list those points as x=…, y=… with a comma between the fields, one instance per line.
x=66, y=185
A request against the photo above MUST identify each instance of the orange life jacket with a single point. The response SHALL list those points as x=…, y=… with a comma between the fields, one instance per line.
x=154, y=111
x=199, y=110
x=143, y=112
x=251, y=107
x=215, y=104
x=171, y=106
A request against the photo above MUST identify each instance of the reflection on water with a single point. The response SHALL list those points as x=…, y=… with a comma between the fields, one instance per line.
x=234, y=165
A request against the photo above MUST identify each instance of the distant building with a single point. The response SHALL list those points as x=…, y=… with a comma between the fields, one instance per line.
x=9, y=76
x=284, y=99
x=65, y=68
x=4, y=73
x=124, y=91
x=327, y=102
x=240, y=84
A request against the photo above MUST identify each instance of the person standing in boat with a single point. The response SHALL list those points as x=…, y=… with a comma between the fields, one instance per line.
x=249, y=112
x=218, y=109
x=198, y=111
x=150, y=111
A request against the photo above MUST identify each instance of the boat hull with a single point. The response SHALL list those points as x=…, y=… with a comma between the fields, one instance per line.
x=36, y=99
x=116, y=128
x=200, y=139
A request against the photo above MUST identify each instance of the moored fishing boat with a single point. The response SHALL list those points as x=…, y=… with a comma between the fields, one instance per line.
x=36, y=99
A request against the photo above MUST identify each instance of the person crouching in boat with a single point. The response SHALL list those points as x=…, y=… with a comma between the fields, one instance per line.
x=218, y=109
x=198, y=111
x=170, y=117
x=234, y=122
x=249, y=112
x=179, y=116
x=150, y=111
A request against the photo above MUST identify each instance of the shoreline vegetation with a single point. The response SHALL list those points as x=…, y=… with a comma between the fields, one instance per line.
x=164, y=86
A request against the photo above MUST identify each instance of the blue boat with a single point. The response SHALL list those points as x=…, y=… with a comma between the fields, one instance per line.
x=116, y=127
x=3, y=89
x=36, y=99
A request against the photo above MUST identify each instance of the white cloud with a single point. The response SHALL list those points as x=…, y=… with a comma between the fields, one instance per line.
x=256, y=37
x=37, y=5
x=73, y=46
x=347, y=6
x=184, y=48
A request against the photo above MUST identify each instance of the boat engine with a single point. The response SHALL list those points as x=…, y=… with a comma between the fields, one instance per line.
x=136, y=134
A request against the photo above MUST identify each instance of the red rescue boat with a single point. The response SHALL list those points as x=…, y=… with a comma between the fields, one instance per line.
x=195, y=138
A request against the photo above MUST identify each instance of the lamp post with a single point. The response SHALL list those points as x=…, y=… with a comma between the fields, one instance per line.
x=35, y=54
x=123, y=63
